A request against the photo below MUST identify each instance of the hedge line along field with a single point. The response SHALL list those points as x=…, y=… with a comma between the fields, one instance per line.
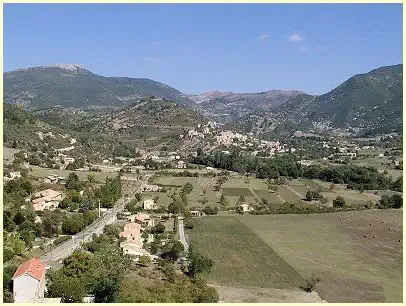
x=241, y=258
x=340, y=249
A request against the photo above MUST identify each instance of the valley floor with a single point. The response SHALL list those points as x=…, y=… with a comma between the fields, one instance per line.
x=354, y=254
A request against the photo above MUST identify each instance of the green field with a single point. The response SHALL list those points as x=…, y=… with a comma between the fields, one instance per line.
x=273, y=200
x=241, y=258
x=288, y=195
x=99, y=176
x=352, y=268
x=280, y=251
x=300, y=189
x=236, y=191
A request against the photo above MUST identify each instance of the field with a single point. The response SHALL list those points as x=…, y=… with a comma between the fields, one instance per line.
x=288, y=195
x=236, y=191
x=200, y=185
x=241, y=258
x=273, y=200
x=8, y=154
x=99, y=176
x=351, y=267
x=300, y=189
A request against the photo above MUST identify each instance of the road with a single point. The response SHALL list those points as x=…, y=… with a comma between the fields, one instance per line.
x=66, y=249
x=182, y=235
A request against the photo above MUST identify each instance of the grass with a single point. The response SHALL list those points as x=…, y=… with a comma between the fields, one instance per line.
x=237, y=191
x=273, y=200
x=99, y=176
x=300, y=189
x=352, y=268
x=241, y=258
x=288, y=195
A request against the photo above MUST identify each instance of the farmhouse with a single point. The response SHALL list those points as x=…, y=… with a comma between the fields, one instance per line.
x=54, y=179
x=12, y=176
x=305, y=162
x=29, y=281
x=46, y=199
x=196, y=213
x=133, y=249
x=150, y=188
x=246, y=207
x=149, y=204
x=144, y=219
x=132, y=231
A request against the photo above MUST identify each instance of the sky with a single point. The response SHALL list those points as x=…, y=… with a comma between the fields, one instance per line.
x=197, y=48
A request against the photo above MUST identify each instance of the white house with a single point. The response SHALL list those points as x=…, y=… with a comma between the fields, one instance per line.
x=29, y=281
x=246, y=207
x=149, y=204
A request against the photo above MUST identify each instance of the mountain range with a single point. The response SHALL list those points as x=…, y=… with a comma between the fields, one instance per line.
x=369, y=102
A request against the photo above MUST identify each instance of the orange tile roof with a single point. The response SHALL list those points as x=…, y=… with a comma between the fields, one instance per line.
x=32, y=267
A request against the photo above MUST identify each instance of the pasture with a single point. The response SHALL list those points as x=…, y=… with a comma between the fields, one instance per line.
x=351, y=267
x=99, y=176
x=273, y=200
x=241, y=258
x=237, y=191
x=288, y=195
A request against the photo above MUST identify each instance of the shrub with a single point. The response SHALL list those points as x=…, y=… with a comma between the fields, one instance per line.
x=59, y=240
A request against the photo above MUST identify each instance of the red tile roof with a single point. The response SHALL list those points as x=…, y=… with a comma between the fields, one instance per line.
x=32, y=267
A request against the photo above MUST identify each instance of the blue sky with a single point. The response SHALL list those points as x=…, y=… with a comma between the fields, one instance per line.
x=202, y=47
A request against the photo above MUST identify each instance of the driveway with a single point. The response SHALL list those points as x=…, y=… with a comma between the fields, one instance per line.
x=182, y=235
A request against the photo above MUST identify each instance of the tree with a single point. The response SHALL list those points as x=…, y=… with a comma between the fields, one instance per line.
x=158, y=229
x=77, y=264
x=241, y=200
x=187, y=188
x=397, y=201
x=339, y=202
x=17, y=244
x=107, y=269
x=197, y=263
x=189, y=223
x=309, y=195
x=144, y=260
x=138, y=197
x=18, y=218
x=69, y=289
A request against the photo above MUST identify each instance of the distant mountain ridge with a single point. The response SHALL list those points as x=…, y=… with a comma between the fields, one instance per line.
x=228, y=106
x=370, y=103
x=75, y=86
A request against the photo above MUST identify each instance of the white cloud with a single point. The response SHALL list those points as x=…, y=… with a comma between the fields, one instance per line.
x=304, y=49
x=295, y=37
x=262, y=36
x=152, y=59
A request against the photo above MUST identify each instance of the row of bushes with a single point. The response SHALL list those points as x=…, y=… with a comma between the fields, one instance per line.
x=59, y=240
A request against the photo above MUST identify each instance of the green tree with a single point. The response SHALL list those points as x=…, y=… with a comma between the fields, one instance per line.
x=339, y=202
x=107, y=270
x=158, y=229
x=187, y=188
x=69, y=289
x=197, y=263
x=309, y=195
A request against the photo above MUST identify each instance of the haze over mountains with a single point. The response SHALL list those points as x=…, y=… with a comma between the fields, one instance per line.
x=369, y=102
